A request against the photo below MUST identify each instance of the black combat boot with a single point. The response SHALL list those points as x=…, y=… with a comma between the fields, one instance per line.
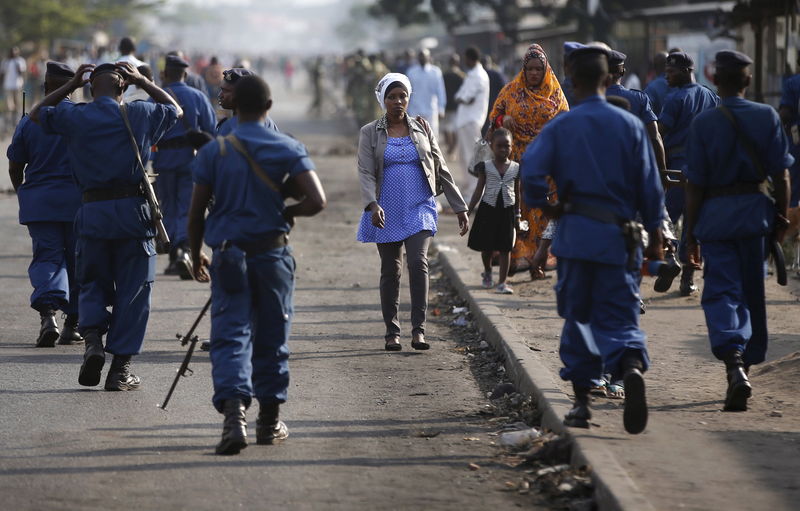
x=580, y=414
x=69, y=334
x=48, y=333
x=268, y=428
x=634, y=417
x=666, y=274
x=739, y=388
x=687, y=281
x=119, y=375
x=234, y=429
x=93, y=359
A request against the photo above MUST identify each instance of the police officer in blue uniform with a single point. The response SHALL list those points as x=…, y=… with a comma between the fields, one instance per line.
x=639, y=104
x=115, y=253
x=658, y=88
x=48, y=201
x=602, y=162
x=681, y=106
x=227, y=100
x=173, y=157
x=733, y=153
x=566, y=83
x=252, y=271
x=789, y=111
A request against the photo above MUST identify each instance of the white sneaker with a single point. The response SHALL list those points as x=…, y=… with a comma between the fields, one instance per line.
x=504, y=289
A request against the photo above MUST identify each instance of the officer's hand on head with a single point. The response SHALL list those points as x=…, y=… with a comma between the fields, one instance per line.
x=78, y=81
x=131, y=74
x=200, y=268
x=463, y=223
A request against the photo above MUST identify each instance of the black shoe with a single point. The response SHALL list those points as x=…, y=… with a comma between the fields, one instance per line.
x=234, y=429
x=580, y=414
x=183, y=264
x=418, y=342
x=48, y=333
x=172, y=268
x=687, y=282
x=69, y=334
x=666, y=274
x=393, y=344
x=739, y=388
x=119, y=375
x=205, y=346
x=268, y=428
x=93, y=359
x=634, y=416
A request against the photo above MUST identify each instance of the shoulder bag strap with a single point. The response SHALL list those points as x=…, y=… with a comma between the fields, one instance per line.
x=124, y=111
x=254, y=166
x=746, y=143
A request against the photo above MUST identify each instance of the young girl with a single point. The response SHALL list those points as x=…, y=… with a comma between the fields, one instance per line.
x=498, y=217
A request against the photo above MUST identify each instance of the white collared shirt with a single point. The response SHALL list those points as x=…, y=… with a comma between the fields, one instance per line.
x=428, y=97
x=475, y=86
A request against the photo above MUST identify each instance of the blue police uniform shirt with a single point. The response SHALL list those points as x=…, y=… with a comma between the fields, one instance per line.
x=566, y=88
x=228, y=126
x=715, y=158
x=197, y=114
x=657, y=90
x=598, y=155
x=681, y=106
x=640, y=103
x=245, y=208
x=49, y=192
x=101, y=157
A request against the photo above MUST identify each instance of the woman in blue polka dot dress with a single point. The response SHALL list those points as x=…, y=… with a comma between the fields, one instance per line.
x=400, y=168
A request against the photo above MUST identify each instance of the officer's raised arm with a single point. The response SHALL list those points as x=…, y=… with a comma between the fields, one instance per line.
x=58, y=95
x=134, y=77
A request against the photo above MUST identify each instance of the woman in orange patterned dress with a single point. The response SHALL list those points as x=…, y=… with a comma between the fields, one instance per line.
x=523, y=106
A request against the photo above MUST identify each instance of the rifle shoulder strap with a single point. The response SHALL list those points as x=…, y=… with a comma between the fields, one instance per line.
x=746, y=143
x=254, y=166
x=124, y=111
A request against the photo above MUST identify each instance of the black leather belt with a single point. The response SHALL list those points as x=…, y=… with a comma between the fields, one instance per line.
x=121, y=192
x=740, y=188
x=264, y=245
x=594, y=212
x=174, y=143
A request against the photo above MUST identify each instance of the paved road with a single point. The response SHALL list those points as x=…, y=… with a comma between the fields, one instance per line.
x=355, y=412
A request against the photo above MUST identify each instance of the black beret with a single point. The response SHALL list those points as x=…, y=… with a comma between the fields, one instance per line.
x=680, y=59
x=104, y=69
x=731, y=58
x=617, y=58
x=570, y=46
x=175, y=61
x=588, y=50
x=59, y=69
x=232, y=75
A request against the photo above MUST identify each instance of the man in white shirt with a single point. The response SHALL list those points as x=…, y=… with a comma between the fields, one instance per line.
x=126, y=54
x=473, y=102
x=429, y=98
x=13, y=71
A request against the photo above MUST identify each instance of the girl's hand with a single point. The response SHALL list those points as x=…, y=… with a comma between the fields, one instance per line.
x=378, y=216
x=463, y=223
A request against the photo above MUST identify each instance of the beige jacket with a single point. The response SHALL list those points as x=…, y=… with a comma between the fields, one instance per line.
x=372, y=145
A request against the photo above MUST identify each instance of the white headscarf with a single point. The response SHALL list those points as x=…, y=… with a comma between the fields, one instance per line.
x=386, y=81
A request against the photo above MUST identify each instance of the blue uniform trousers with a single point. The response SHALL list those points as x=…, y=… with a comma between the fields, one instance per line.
x=733, y=297
x=174, y=189
x=250, y=329
x=600, y=306
x=52, y=270
x=118, y=273
x=675, y=201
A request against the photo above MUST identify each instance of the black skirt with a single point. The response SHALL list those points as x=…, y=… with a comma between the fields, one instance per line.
x=493, y=228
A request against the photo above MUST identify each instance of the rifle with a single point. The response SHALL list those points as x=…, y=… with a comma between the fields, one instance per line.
x=191, y=340
x=162, y=238
x=23, y=105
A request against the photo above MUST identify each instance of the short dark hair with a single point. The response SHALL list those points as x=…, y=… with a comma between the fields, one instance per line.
x=252, y=95
x=126, y=46
x=589, y=70
x=732, y=77
x=472, y=53
x=146, y=71
x=502, y=132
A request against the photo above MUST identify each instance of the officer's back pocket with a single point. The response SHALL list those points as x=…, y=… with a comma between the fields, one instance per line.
x=232, y=269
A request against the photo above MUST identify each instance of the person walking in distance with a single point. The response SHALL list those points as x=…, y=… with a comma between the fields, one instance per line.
x=252, y=269
x=734, y=153
x=473, y=102
x=48, y=201
x=429, y=99
x=601, y=190
x=115, y=253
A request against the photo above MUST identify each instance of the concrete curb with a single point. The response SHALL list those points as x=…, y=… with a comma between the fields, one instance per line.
x=614, y=489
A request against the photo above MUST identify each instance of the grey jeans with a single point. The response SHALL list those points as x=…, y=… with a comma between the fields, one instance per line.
x=391, y=269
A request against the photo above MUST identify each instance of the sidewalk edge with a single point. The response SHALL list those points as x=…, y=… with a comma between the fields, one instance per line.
x=614, y=489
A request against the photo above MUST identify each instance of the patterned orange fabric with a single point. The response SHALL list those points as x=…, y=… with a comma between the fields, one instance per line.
x=530, y=108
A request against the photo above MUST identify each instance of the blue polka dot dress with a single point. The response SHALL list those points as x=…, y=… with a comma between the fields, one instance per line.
x=405, y=197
